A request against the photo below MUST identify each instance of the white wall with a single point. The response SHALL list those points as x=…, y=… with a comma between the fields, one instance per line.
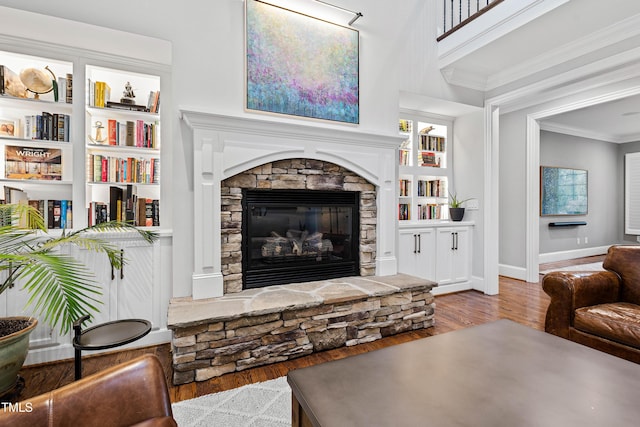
x=397, y=52
x=600, y=160
x=468, y=170
x=512, y=189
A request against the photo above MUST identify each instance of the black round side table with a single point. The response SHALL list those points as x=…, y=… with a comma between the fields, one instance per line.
x=105, y=335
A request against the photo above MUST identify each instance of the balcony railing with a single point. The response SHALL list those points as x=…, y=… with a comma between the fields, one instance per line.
x=458, y=13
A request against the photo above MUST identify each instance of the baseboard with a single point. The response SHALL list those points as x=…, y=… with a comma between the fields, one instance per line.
x=513, y=272
x=66, y=351
x=454, y=287
x=572, y=254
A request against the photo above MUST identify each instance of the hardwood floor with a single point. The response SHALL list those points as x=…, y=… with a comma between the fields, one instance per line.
x=519, y=301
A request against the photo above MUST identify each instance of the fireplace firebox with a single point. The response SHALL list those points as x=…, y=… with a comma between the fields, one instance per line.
x=291, y=236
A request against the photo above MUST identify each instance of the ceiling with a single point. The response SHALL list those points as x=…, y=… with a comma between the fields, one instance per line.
x=615, y=121
x=535, y=44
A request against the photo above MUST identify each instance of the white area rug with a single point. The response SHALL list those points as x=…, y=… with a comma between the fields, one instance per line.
x=594, y=266
x=266, y=404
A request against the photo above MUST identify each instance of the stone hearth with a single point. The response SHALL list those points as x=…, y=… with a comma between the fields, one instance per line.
x=256, y=327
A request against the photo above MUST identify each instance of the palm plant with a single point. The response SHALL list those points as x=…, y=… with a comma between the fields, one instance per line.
x=61, y=289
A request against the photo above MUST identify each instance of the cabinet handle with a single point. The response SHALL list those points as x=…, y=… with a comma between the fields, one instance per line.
x=419, y=243
x=456, y=238
x=121, y=263
x=453, y=241
x=113, y=274
x=415, y=244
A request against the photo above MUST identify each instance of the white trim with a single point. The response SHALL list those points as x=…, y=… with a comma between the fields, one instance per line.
x=491, y=214
x=513, y=272
x=532, y=203
x=589, y=134
x=27, y=29
x=620, y=31
x=454, y=287
x=572, y=254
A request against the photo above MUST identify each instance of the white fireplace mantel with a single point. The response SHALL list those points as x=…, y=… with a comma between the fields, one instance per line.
x=224, y=146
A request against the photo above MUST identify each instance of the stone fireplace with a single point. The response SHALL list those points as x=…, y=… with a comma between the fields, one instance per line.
x=296, y=198
x=313, y=219
x=235, y=153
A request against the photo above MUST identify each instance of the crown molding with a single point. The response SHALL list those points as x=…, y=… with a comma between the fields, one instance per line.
x=551, y=126
x=621, y=31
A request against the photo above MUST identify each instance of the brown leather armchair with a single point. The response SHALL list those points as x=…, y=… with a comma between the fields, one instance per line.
x=599, y=309
x=130, y=394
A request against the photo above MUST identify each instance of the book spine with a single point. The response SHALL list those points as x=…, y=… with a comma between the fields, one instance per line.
x=113, y=132
x=69, y=89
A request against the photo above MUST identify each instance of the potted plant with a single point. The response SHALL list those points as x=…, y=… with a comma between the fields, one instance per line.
x=456, y=211
x=60, y=288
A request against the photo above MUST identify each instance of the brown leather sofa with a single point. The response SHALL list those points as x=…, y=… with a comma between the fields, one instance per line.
x=599, y=309
x=130, y=394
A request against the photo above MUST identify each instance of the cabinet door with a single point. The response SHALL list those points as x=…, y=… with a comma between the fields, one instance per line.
x=135, y=284
x=452, y=255
x=416, y=253
x=461, y=255
x=445, y=247
x=126, y=293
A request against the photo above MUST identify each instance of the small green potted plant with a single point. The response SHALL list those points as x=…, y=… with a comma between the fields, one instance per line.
x=60, y=288
x=456, y=211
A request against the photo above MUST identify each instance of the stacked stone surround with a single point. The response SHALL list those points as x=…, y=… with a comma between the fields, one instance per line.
x=267, y=325
x=300, y=174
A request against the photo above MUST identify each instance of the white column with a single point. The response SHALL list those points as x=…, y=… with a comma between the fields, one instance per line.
x=207, y=280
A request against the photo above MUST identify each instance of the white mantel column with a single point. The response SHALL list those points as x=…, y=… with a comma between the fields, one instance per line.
x=207, y=280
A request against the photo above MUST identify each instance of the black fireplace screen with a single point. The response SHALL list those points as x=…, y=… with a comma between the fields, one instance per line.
x=293, y=236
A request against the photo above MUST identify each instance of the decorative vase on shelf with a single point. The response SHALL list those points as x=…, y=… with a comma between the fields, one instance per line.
x=456, y=214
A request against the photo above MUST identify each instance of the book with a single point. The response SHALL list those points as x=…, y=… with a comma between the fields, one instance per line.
x=129, y=200
x=63, y=213
x=130, y=107
x=112, y=132
x=33, y=163
x=69, y=89
x=62, y=88
x=131, y=134
x=148, y=213
x=115, y=203
x=155, y=211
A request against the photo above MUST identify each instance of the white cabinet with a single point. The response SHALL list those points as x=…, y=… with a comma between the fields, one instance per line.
x=440, y=252
x=453, y=258
x=128, y=292
x=416, y=247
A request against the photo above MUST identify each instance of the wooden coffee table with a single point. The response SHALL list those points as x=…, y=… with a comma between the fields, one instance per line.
x=497, y=374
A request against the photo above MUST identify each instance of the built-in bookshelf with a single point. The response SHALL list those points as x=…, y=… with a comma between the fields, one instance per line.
x=36, y=143
x=43, y=135
x=424, y=172
x=123, y=146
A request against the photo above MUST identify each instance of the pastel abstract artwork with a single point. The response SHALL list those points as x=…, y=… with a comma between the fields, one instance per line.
x=299, y=65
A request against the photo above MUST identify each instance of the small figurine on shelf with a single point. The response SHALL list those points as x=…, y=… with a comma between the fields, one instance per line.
x=128, y=95
x=99, y=138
